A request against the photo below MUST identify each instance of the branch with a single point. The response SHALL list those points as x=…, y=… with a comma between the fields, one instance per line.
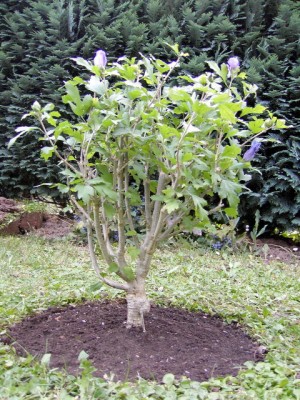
x=107, y=251
x=127, y=205
x=148, y=248
x=217, y=149
x=170, y=226
x=150, y=241
x=217, y=208
x=157, y=93
x=105, y=229
x=105, y=245
x=81, y=210
x=157, y=204
x=254, y=137
x=147, y=204
x=95, y=264
x=183, y=135
x=120, y=208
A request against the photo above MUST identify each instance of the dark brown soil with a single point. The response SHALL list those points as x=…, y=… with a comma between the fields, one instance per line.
x=24, y=223
x=278, y=250
x=7, y=206
x=16, y=222
x=176, y=341
x=55, y=226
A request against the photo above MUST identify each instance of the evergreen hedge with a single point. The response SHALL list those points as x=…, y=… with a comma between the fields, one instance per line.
x=39, y=37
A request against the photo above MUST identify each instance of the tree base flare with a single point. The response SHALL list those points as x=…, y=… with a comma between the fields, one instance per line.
x=137, y=306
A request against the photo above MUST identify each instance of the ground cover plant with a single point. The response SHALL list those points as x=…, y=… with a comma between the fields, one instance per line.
x=264, y=298
x=146, y=159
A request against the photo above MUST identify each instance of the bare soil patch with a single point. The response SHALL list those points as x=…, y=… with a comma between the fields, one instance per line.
x=194, y=345
x=7, y=206
x=279, y=250
x=15, y=222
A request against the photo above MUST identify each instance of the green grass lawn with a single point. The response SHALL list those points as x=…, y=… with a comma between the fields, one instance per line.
x=264, y=298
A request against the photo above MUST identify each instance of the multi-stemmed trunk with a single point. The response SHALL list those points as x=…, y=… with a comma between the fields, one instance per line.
x=97, y=225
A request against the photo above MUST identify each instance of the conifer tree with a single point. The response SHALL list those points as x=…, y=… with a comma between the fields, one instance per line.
x=264, y=34
x=274, y=66
x=35, y=59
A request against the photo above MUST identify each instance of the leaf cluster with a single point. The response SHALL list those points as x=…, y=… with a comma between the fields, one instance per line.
x=170, y=155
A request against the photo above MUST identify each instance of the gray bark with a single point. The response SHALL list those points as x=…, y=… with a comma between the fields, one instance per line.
x=137, y=306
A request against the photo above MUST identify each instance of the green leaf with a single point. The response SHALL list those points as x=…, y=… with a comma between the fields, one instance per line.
x=172, y=205
x=84, y=192
x=77, y=109
x=96, y=286
x=128, y=272
x=113, y=267
x=214, y=66
x=231, y=151
x=157, y=197
x=104, y=171
x=47, y=152
x=128, y=72
x=83, y=356
x=242, y=75
x=280, y=124
x=110, y=210
x=46, y=359
x=73, y=92
x=256, y=126
x=253, y=110
x=229, y=190
x=37, y=107
x=135, y=94
x=97, y=86
x=83, y=63
x=188, y=157
x=179, y=95
x=22, y=131
x=131, y=233
x=87, y=103
x=133, y=251
x=221, y=98
x=231, y=212
x=224, y=72
x=168, y=379
x=201, y=108
x=174, y=47
x=168, y=131
x=110, y=193
x=227, y=114
x=199, y=203
x=62, y=188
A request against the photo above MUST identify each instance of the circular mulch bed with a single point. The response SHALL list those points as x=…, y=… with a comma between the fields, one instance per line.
x=194, y=345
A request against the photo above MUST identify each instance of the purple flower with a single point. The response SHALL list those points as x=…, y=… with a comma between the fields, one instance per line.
x=233, y=63
x=250, y=153
x=100, y=59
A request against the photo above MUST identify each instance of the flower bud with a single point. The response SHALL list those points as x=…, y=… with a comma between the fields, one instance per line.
x=250, y=154
x=203, y=80
x=100, y=59
x=233, y=63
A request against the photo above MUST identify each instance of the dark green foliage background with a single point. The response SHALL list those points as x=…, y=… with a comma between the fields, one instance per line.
x=39, y=37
